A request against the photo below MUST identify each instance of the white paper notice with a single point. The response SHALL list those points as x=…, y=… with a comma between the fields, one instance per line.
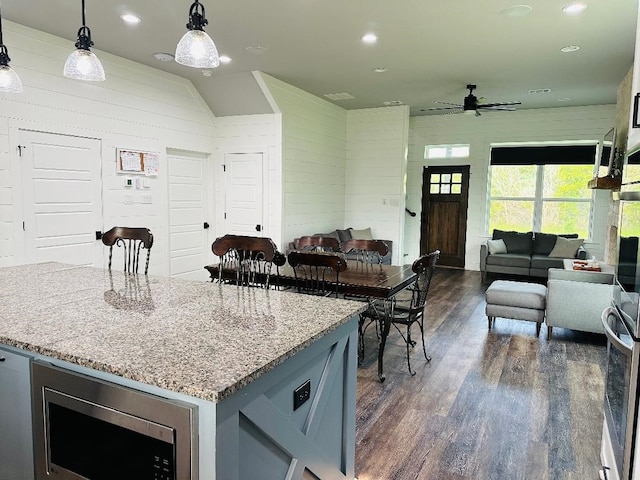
x=151, y=164
x=130, y=162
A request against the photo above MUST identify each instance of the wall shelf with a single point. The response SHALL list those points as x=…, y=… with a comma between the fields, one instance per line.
x=605, y=183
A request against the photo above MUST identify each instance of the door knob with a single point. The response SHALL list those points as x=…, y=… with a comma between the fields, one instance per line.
x=258, y=228
x=206, y=225
x=98, y=235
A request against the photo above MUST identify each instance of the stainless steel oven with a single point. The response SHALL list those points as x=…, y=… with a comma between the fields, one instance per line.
x=87, y=428
x=621, y=397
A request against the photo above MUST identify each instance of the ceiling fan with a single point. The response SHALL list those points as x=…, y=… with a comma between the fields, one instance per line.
x=471, y=105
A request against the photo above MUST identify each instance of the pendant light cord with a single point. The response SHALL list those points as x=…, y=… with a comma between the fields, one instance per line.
x=84, y=22
x=1, y=43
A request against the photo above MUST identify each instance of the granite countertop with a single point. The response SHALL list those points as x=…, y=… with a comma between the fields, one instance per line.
x=201, y=339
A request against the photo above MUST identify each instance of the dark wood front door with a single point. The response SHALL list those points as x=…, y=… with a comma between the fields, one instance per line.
x=443, y=226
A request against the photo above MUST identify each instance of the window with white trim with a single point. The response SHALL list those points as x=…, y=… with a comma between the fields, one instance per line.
x=543, y=189
x=446, y=151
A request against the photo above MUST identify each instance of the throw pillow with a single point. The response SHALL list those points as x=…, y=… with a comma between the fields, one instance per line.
x=566, y=247
x=516, y=242
x=543, y=243
x=496, y=246
x=343, y=235
x=361, y=234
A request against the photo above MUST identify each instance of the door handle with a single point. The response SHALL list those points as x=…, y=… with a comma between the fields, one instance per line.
x=98, y=235
x=258, y=228
x=206, y=225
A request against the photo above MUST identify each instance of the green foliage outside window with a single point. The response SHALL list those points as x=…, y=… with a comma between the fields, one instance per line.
x=559, y=204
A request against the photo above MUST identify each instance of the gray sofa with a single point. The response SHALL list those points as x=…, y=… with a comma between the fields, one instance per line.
x=526, y=254
x=347, y=234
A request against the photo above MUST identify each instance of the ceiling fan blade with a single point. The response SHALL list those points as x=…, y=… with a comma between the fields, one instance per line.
x=455, y=110
x=506, y=109
x=433, y=109
x=447, y=103
x=498, y=104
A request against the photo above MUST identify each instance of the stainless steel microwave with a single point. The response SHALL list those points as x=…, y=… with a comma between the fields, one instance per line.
x=87, y=428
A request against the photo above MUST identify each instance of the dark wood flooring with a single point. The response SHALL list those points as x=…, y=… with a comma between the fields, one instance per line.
x=499, y=404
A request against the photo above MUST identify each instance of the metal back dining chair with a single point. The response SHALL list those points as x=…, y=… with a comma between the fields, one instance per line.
x=132, y=239
x=401, y=312
x=318, y=243
x=250, y=259
x=317, y=273
x=366, y=251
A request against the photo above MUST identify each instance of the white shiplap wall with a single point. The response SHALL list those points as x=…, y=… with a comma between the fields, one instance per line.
x=252, y=134
x=543, y=125
x=375, y=172
x=314, y=145
x=137, y=107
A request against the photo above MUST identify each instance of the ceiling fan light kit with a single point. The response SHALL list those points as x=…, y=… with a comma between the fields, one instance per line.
x=82, y=63
x=9, y=80
x=196, y=48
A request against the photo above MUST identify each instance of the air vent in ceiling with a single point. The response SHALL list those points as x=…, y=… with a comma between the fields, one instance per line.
x=540, y=90
x=339, y=96
x=393, y=102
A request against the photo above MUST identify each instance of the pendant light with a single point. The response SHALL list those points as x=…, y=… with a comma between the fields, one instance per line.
x=195, y=48
x=9, y=80
x=82, y=64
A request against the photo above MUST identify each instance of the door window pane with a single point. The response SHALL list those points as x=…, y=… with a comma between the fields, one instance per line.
x=434, y=188
x=456, y=188
x=435, y=178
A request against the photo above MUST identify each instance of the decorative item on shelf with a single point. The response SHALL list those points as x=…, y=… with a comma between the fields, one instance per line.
x=83, y=64
x=9, y=80
x=196, y=48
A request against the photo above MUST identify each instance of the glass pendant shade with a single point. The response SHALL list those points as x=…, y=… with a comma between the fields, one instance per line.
x=9, y=80
x=84, y=65
x=196, y=49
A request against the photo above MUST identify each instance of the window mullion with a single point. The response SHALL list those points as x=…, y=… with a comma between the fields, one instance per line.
x=538, y=202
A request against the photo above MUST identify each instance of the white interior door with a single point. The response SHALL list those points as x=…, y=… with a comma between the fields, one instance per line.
x=62, y=198
x=187, y=215
x=243, y=197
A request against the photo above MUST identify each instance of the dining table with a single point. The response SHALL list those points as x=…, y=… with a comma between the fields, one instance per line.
x=365, y=281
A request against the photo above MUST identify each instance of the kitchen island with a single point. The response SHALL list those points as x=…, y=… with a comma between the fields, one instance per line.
x=236, y=353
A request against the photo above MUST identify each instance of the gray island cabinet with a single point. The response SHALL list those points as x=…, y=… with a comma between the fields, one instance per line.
x=272, y=374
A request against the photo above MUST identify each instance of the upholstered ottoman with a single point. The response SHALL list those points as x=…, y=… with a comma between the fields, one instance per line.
x=517, y=300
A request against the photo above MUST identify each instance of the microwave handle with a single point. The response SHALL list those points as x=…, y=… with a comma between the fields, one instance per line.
x=611, y=335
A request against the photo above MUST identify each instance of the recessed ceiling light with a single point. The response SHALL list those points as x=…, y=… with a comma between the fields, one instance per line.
x=570, y=48
x=392, y=102
x=564, y=99
x=517, y=11
x=370, y=38
x=163, y=57
x=380, y=69
x=574, y=8
x=225, y=59
x=207, y=73
x=256, y=49
x=130, y=18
